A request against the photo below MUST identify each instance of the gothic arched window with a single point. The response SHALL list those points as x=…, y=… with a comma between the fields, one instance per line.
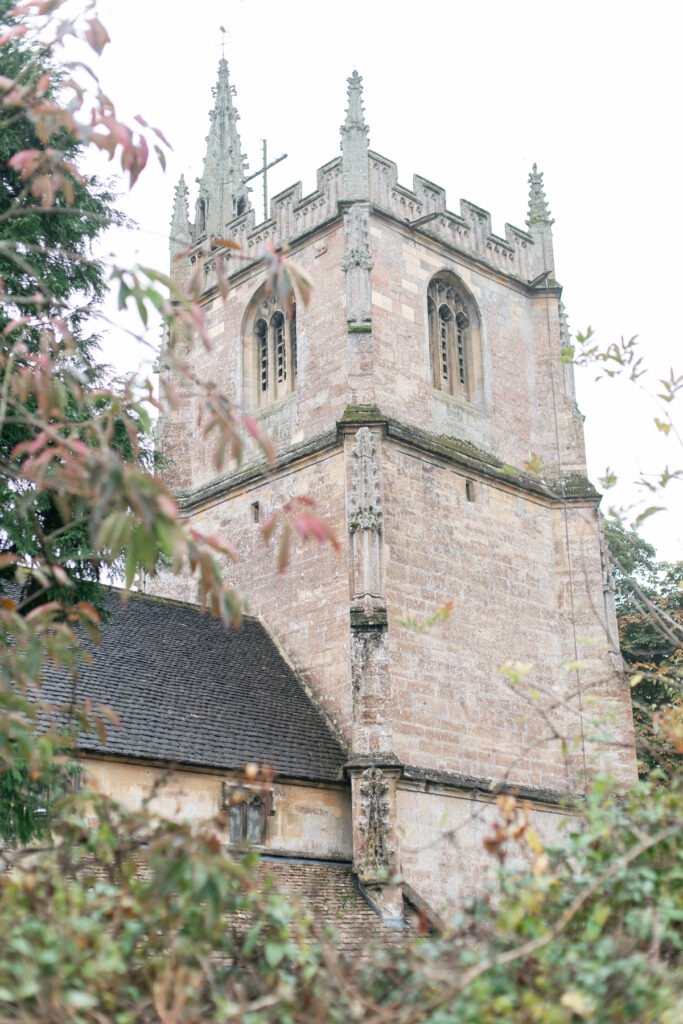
x=451, y=317
x=270, y=351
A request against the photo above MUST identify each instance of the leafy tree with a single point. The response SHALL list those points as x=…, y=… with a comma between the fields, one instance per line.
x=49, y=220
x=48, y=224
x=649, y=599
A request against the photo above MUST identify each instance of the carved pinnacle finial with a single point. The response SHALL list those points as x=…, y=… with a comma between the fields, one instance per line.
x=539, y=212
x=540, y=225
x=180, y=221
x=223, y=194
x=354, y=144
x=354, y=113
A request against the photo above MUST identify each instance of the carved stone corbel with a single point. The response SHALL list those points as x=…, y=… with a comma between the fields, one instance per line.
x=375, y=843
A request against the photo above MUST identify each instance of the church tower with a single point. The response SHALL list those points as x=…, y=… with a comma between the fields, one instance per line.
x=422, y=401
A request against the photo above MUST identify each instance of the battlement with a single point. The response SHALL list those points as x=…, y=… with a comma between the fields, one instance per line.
x=291, y=214
x=359, y=175
x=423, y=207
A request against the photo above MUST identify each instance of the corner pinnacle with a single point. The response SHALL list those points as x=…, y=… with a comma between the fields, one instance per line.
x=354, y=144
x=539, y=213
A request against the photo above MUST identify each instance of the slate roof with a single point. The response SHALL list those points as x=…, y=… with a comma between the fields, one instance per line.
x=335, y=899
x=189, y=691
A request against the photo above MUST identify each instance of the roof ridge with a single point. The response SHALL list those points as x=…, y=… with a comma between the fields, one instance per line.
x=140, y=595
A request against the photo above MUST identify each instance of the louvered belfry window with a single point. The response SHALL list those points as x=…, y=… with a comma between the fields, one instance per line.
x=448, y=338
x=275, y=353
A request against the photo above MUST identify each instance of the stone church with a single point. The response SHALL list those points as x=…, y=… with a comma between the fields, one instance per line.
x=420, y=398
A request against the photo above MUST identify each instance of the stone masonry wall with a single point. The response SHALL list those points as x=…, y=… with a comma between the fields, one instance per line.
x=512, y=412
x=501, y=560
x=308, y=820
x=321, y=392
x=307, y=606
x=442, y=833
x=602, y=696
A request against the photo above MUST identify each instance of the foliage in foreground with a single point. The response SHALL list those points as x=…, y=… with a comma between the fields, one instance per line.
x=119, y=916
x=649, y=600
x=133, y=919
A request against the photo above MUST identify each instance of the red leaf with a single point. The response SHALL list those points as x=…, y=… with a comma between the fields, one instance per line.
x=108, y=712
x=268, y=527
x=307, y=525
x=25, y=161
x=97, y=35
x=16, y=30
x=167, y=506
x=89, y=612
x=13, y=324
x=283, y=549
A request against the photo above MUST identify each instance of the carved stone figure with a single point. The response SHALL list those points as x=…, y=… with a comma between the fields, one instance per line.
x=375, y=826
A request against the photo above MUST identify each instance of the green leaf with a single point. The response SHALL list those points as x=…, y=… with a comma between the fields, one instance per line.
x=274, y=953
x=79, y=999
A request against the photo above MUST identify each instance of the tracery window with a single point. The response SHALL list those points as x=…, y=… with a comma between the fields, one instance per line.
x=270, y=351
x=450, y=337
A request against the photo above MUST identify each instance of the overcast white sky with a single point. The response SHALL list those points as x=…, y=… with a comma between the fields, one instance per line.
x=469, y=96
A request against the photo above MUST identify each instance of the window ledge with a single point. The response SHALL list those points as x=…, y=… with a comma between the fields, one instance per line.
x=451, y=402
x=261, y=411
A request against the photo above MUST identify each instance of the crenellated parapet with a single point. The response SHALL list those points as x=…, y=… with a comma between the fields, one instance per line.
x=358, y=175
x=424, y=208
x=291, y=215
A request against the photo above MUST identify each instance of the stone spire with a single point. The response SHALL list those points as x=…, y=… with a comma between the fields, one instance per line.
x=181, y=233
x=223, y=194
x=354, y=145
x=540, y=224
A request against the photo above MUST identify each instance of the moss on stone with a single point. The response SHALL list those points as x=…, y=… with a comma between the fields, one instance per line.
x=573, y=486
x=376, y=619
x=359, y=328
x=362, y=414
x=444, y=444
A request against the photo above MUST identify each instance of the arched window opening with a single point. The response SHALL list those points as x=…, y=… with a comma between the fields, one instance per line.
x=270, y=351
x=450, y=338
x=241, y=206
x=461, y=326
x=261, y=333
x=292, y=335
x=277, y=326
x=445, y=322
